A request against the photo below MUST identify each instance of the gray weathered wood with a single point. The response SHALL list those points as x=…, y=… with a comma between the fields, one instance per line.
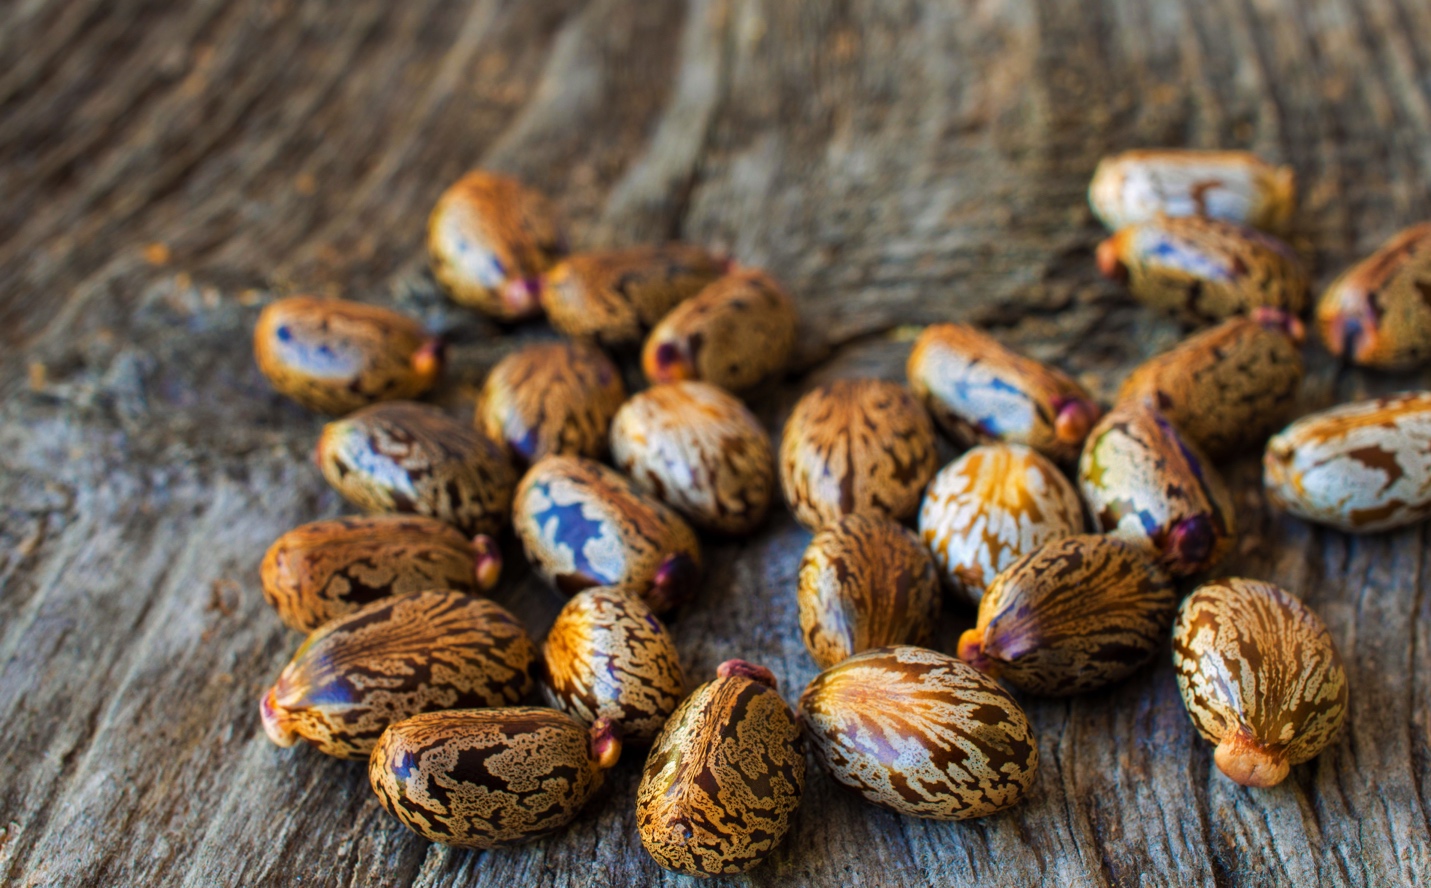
x=896, y=162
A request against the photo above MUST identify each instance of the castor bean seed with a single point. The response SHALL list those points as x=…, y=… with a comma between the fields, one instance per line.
x=553, y=397
x=1139, y=186
x=1378, y=312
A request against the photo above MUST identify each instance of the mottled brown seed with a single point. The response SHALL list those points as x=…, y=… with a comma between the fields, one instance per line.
x=734, y=333
x=487, y=778
x=920, y=733
x=1228, y=387
x=990, y=506
x=553, y=397
x=724, y=778
x=856, y=446
x=698, y=449
x=1360, y=467
x=394, y=658
x=489, y=239
x=326, y=569
x=1144, y=483
x=865, y=582
x=413, y=458
x=1378, y=312
x=980, y=390
x=334, y=356
x=1205, y=269
x=608, y=657
x=1139, y=186
x=583, y=524
x=1259, y=676
x=1072, y=616
x=617, y=296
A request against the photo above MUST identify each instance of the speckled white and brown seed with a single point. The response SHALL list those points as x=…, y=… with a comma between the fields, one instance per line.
x=1238, y=186
x=1378, y=312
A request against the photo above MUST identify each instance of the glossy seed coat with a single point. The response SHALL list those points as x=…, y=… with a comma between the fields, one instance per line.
x=865, y=582
x=583, y=524
x=334, y=356
x=553, y=397
x=608, y=657
x=1360, y=467
x=1205, y=269
x=979, y=390
x=413, y=458
x=697, y=448
x=617, y=296
x=856, y=446
x=724, y=778
x=990, y=507
x=395, y=658
x=1259, y=676
x=1378, y=312
x=488, y=778
x=920, y=733
x=1144, y=483
x=1228, y=387
x=326, y=569
x=1238, y=186
x=734, y=333
x=489, y=239
x=1072, y=616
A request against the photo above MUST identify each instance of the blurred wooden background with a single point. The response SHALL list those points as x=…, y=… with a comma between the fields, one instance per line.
x=167, y=167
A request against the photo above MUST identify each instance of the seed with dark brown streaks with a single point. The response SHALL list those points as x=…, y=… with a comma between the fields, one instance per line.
x=724, y=777
x=394, y=658
x=583, y=524
x=1140, y=186
x=487, y=778
x=856, y=446
x=608, y=657
x=1378, y=312
x=334, y=356
x=920, y=733
x=734, y=333
x=554, y=397
x=1259, y=676
x=1072, y=616
x=326, y=569
x=865, y=582
x=413, y=458
x=617, y=296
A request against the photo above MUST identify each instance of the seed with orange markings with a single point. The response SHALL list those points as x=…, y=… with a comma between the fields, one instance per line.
x=991, y=506
x=1205, y=269
x=617, y=296
x=1378, y=312
x=865, y=582
x=920, y=733
x=724, y=778
x=1072, y=616
x=394, y=658
x=326, y=569
x=553, y=397
x=734, y=333
x=698, y=449
x=583, y=524
x=856, y=446
x=1144, y=483
x=1139, y=186
x=489, y=239
x=1228, y=387
x=488, y=778
x=1259, y=676
x=334, y=356
x=608, y=657
x=413, y=458
x=980, y=390
x=1360, y=467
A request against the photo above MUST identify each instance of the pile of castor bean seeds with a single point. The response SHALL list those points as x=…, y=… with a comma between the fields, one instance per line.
x=409, y=666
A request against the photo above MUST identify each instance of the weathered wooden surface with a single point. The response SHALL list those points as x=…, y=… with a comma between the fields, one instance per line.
x=895, y=162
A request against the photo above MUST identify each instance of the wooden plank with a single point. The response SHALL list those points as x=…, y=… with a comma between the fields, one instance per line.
x=896, y=163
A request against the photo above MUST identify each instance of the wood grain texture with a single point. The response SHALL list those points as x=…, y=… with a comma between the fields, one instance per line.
x=892, y=162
